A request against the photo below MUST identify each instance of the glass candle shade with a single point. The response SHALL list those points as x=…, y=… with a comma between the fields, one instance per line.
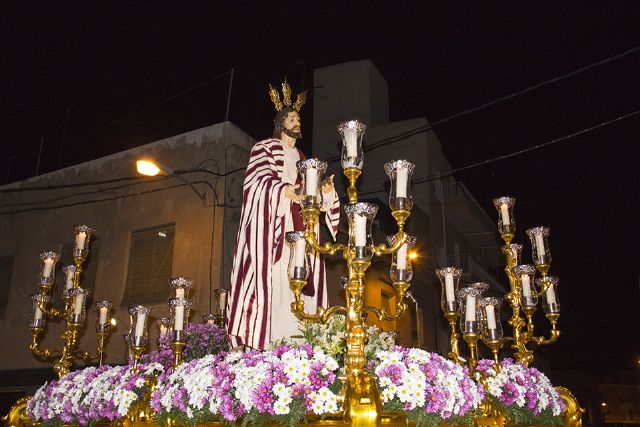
x=491, y=325
x=525, y=275
x=103, y=308
x=550, y=300
x=481, y=287
x=361, y=217
x=506, y=221
x=469, y=313
x=311, y=173
x=48, y=261
x=209, y=318
x=299, y=264
x=180, y=286
x=164, y=326
x=220, y=301
x=540, y=246
x=37, y=319
x=69, y=273
x=78, y=302
x=514, y=251
x=180, y=315
x=401, y=269
x=139, y=336
x=351, y=133
x=449, y=281
x=400, y=197
x=81, y=238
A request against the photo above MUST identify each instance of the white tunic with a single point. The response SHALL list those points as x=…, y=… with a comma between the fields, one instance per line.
x=283, y=322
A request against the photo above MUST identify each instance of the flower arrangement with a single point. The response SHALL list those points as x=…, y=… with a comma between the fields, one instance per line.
x=330, y=338
x=202, y=339
x=524, y=394
x=428, y=387
x=90, y=395
x=280, y=385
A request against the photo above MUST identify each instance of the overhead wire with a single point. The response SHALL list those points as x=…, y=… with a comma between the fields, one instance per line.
x=513, y=154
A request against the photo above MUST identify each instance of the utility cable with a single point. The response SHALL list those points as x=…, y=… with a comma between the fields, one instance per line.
x=425, y=128
x=513, y=154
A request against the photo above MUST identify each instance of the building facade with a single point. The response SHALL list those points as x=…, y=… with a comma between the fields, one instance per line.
x=146, y=230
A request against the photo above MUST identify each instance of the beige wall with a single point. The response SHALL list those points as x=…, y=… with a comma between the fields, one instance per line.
x=200, y=229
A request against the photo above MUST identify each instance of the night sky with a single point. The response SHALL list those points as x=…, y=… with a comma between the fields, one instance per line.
x=106, y=78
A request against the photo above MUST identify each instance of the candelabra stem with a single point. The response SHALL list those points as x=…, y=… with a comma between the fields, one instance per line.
x=177, y=347
x=69, y=339
x=494, y=346
x=352, y=175
x=452, y=317
x=472, y=341
x=136, y=352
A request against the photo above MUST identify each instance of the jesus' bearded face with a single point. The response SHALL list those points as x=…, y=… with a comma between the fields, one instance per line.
x=292, y=126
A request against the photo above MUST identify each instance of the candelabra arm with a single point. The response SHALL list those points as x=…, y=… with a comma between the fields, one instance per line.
x=383, y=315
x=87, y=357
x=51, y=311
x=35, y=346
x=297, y=306
x=326, y=248
x=555, y=333
x=383, y=249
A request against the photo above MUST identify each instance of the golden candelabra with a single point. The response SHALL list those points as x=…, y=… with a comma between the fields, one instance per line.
x=73, y=313
x=480, y=317
x=362, y=405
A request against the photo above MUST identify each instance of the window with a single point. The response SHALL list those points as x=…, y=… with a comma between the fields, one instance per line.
x=150, y=262
x=6, y=268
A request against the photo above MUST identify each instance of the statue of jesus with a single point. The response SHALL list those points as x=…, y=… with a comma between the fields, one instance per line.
x=259, y=305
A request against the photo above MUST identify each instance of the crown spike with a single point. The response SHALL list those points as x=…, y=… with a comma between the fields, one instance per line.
x=286, y=97
x=286, y=93
x=275, y=97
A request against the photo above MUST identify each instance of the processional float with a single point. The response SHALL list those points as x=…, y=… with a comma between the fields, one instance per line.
x=465, y=308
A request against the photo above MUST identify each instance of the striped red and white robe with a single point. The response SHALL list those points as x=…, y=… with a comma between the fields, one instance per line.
x=259, y=246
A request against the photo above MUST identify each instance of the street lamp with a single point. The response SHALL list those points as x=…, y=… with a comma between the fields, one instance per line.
x=148, y=167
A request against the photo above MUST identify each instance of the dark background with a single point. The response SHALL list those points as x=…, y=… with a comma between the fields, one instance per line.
x=86, y=81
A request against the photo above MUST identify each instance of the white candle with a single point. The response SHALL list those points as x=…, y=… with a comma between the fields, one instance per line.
x=78, y=304
x=360, y=223
x=81, y=238
x=179, y=320
x=69, y=279
x=539, y=245
x=37, y=314
x=103, y=315
x=526, y=285
x=222, y=302
x=491, y=316
x=299, y=249
x=351, y=141
x=448, y=287
x=179, y=292
x=470, y=315
x=140, y=324
x=551, y=295
x=401, y=182
x=504, y=211
x=312, y=181
x=401, y=257
x=48, y=267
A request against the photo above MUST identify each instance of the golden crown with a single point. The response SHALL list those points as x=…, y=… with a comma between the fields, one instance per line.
x=286, y=97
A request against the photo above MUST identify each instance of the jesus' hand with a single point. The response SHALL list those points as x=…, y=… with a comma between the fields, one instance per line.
x=327, y=185
x=290, y=193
